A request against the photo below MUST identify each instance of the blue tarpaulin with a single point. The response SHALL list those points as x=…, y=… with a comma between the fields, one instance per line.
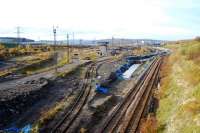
x=101, y=89
x=25, y=129
x=12, y=130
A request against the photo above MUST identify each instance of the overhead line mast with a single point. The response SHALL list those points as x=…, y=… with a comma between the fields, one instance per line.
x=54, y=34
x=18, y=32
x=55, y=53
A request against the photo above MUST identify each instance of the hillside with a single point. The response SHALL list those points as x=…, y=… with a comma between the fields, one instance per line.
x=179, y=95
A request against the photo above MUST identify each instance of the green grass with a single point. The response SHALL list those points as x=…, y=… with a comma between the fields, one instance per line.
x=196, y=92
x=168, y=104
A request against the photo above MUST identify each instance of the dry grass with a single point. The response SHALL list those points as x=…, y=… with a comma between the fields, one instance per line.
x=141, y=50
x=92, y=55
x=51, y=113
x=149, y=125
x=179, y=108
x=192, y=107
x=164, y=75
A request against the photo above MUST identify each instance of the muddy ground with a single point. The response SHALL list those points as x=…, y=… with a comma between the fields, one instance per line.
x=23, y=104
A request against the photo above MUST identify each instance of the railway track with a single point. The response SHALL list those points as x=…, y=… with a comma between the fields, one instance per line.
x=126, y=116
x=138, y=113
x=68, y=119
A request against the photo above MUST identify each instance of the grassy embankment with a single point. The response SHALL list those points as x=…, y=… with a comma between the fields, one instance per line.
x=27, y=57
x=46, y=64
x=36, y=63
x=179, y=95
x=30, y=64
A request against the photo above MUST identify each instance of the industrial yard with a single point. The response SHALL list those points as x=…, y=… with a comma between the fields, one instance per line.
x=93, y=88
x=100, y=66
x=73, y=91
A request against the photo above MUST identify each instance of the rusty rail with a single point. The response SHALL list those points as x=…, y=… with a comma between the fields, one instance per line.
x=119, y=120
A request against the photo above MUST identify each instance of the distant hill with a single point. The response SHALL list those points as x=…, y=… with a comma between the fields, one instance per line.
x=116, y=41
x=14, y=40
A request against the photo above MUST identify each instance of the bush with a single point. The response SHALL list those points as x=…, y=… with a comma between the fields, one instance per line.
x=197, y=38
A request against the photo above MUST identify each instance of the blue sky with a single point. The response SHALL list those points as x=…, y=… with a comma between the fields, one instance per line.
x=97, y=19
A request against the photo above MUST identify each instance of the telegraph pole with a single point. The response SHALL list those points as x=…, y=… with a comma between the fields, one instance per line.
x=112, y=43
x=54, y=35
x=67, y=39
x=68, y=49
x=73, y=38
